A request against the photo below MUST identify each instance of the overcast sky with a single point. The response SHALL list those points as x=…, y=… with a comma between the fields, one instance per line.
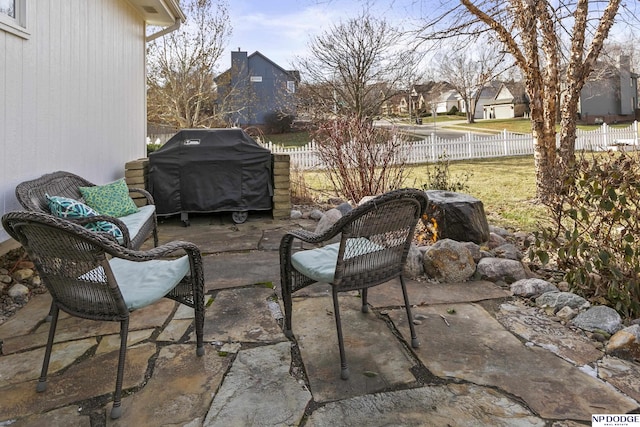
x=280, y=29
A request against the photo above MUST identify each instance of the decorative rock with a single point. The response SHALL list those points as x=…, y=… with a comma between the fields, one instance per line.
x=599, y=317
x=495, y=269
x=26, y=264
x=508, y=251
x=22, y=274
x=625, y=342
x=625, y=337
x=475, y=250
x=503, y=232
x=316, y=214
x=566, y=313
x=344, y=208
x=36, y=281
x=5, y=278
x=328, y=219
x=365, y=199
x=495, y=240
x=557, y=300
x=18, y=292
x=449, y=261
x=414, y=266
x=459, y=216
x=532, y=287
x=296, y=214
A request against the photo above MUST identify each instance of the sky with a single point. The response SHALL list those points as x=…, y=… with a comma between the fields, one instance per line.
x=281, y=29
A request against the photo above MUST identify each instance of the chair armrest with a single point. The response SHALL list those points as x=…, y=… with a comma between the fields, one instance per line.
x=144, y=193
x=161, y=251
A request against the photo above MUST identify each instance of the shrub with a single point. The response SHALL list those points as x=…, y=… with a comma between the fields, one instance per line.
x=152, y=147
x=440, y=177
x=595, y=238
x=362, y=160
x=277, y=122
x=453, y=111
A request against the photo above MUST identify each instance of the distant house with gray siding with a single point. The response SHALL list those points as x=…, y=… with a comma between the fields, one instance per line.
x=255, y=91
x=610, y=94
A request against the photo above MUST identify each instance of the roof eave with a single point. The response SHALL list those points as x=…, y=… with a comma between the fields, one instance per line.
x=160, y=13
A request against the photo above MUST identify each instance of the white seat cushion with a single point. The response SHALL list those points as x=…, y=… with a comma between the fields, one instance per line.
x=320, y=264
x=135, y=221
x=143, y=283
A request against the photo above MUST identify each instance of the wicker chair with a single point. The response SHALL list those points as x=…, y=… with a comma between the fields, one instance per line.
x=374, y=242
x=32, y=196
x=90, y=275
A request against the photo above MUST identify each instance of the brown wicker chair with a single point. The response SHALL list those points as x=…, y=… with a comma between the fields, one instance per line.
x=374, y=242
x=32, y=196
x=90, y=275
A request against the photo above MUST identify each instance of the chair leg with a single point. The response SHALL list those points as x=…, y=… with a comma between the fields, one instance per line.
x=288, y=307
x=116, y=410
x=42, y=382
x=155, y=236
x=50, y=314
x=199, y=320
x=363, y=296
x=344, y=369
x=414, y=337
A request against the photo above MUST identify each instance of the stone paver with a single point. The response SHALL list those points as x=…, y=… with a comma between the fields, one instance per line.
x=230, y=270
x=259, y=391
x=527, y=323
x=472, y=346
x=437, y=406
x=420, y=293
x=180, y=391
x=242, y=315
x=87, y=379
x=375, y=358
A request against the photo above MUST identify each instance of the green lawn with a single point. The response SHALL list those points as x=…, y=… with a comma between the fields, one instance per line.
x=506, y=187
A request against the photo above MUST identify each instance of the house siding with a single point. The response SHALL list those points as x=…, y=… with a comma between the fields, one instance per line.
x=256, y=101
x=72, y=94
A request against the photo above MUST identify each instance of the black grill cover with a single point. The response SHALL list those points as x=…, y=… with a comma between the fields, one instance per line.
x=210, y=170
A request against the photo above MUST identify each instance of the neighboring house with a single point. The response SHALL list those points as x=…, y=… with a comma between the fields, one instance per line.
x=487, y=95
x=610, y=94
x=509, y=102
x=256, y=91
x=72, y=88
x=447, y=100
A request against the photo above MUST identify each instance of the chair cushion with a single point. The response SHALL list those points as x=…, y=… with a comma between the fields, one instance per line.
x=110, y=199
x=320, y=264
x=136, y=221
x=143, y=283
x=64, y=207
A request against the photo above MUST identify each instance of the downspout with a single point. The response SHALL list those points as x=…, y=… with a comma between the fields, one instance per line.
x=165, y=30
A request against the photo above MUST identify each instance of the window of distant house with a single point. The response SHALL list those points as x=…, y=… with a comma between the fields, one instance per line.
x=13, y=17
x=291, y=86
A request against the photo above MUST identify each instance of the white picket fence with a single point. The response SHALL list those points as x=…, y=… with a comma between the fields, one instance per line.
x=474, y=146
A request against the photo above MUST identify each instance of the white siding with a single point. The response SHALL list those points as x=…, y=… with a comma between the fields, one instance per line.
x=72, y=96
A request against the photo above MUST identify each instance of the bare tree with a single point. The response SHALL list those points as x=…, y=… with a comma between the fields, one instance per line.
x=469, y=70
x=356, y=65
x=533, y=32
x=181, y=67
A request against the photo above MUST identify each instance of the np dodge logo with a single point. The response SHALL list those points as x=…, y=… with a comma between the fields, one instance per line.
x=615, y=420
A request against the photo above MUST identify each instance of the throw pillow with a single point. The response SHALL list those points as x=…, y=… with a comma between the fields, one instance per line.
x=110, y=199
x=63, y=207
